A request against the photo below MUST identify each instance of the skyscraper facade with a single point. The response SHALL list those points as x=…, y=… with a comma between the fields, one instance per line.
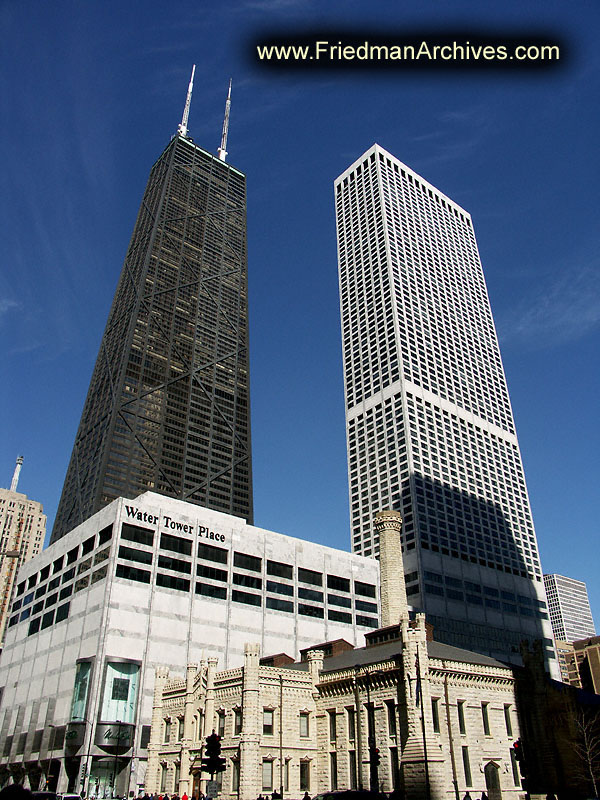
x=569, y=606
x=430, y=431
x=168, y=406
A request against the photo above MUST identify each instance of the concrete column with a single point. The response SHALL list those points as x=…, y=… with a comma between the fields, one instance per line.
x=394, y=606
x=185, y=783
x=423, y=761
x=152, y=780
x=209, y=709
x=251, y=719
x=315, y=665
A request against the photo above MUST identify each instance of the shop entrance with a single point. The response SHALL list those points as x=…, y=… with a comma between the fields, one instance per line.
x=107, y=778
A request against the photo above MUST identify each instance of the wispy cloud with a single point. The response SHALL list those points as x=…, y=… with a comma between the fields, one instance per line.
x=562, y=311
x=7, y=305
x=458, y=134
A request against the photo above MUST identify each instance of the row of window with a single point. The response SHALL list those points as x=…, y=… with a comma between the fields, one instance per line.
x=68, y=562
x=220, y=555
x=239, y=596
x=38, y=613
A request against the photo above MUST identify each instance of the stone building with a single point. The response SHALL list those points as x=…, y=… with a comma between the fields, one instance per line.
x=441, y=720
x=264, y=750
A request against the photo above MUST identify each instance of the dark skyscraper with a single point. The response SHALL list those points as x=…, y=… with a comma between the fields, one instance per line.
x=168, y=405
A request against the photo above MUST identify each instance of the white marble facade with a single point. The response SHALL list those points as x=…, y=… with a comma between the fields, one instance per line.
x=107, y=595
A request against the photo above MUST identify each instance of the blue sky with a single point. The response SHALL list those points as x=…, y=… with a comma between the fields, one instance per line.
x=91, y=93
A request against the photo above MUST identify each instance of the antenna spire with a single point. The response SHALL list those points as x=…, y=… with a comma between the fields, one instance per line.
x=183, y=125
x=223, y=148
x=15, y=479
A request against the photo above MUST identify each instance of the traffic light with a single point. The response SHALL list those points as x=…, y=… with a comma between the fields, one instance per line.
x=213, y=762
x=375, y=757
x=517, y=749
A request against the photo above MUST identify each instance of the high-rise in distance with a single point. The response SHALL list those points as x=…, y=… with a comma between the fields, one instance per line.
x=430, y=431
x=22, y=533
x=569, y=606
x=168, y=407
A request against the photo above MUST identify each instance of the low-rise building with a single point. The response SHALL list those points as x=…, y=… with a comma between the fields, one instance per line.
x=146, y=583
x=440, y=721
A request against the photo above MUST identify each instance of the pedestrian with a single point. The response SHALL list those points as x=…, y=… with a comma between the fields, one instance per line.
x=306, y=796
x=467, y=796
x=484, y=796
x=184, y=796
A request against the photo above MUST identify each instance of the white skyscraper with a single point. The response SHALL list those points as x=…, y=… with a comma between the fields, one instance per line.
x=570, y=612
x=430, y=431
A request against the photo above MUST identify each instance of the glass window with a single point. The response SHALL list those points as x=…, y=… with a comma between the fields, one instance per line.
x=280, y=588
x=120, y=692
x=391, y=715
x=235, y=776
x=220, y=723
x=167, y=731
x=467, y=766
x=304, y=727
x=267, y=722
x=246, y=597
x=246, y=561
x=310, y=594
x=280, y=605
x=267, y=775
x=130, y=553
x=485, y=719
x=460, y=708
x=105, y=535
x=332, y=725
x=310, y=611
x=305, y=776
x=435, y=713
x=133, y=533
x=309, y=576
x=508, y=721
x=215, y=574
x=337, y=583
x=129, y=573
x=365, y=589
x=175, y=544
x=172, y=582
x=352, y=769
x=280, y=570
x=333, y=770
x=237, y=721
x=88, y=545
x=211, y=591
x=80, y=690
x=247, y=580
x=351, y=724
x=210, y=553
